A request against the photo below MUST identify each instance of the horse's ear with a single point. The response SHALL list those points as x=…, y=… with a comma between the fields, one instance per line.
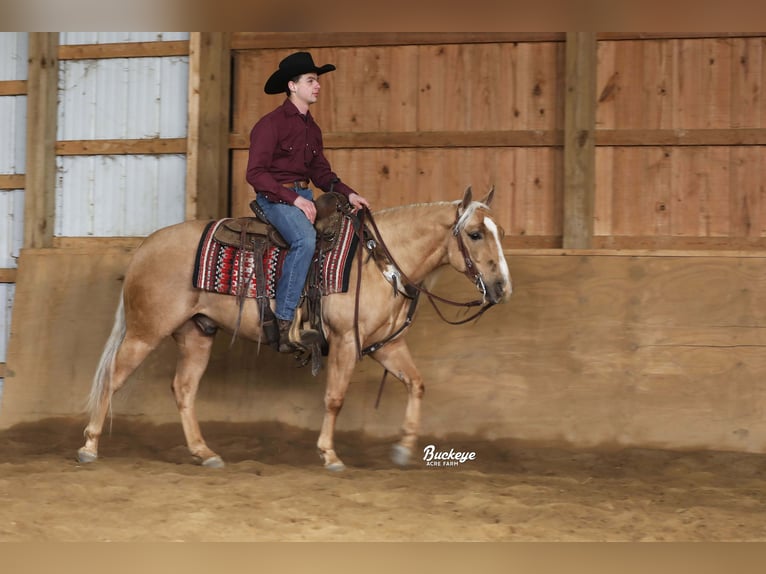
x=467, y=198
x=488, y=200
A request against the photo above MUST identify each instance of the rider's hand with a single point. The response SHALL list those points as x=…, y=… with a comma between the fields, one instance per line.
x=357, y=201
x=307, y=207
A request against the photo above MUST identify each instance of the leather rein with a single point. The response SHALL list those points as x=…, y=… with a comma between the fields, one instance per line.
x=413, y=289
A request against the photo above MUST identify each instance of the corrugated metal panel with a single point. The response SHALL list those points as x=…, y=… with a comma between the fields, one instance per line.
x=13, y=112
x=112, y=196
x=13, y=55
x=7, y=292
x=13, y=119
x=69, y=38
x=13, y=109
x=123, y=98
x=11, y=226
x=174, y=92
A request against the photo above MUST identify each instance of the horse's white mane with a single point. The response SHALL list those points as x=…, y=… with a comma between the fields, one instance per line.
x=414, y=206
x=467, y=214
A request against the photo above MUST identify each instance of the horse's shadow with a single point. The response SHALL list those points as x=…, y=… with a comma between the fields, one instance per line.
x=269, y=443
x=272, y=443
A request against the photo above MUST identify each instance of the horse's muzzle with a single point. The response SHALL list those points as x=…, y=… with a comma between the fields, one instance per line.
x=499, y=291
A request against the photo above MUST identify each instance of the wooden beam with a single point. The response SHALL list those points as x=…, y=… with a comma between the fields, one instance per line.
x=617, y=36
x=515, y=138
x=13, y=87
x=39, y=197
x=532, y=138
x=441, y=139
x=684, y=243
x=86, y=243
x=654, y=253
x=12, y=181
x=700, y=137
x=531, y=242
x=278, y=40
x=579, y=139
x=122, y=147
x=8, y=275
x=130, y=243
x=123, y=50
x=207, y=195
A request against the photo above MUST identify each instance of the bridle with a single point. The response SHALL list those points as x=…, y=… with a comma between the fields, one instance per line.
x=470, y=269
x=414, y=289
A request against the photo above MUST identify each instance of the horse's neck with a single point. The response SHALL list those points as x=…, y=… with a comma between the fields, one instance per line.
x=417, y=235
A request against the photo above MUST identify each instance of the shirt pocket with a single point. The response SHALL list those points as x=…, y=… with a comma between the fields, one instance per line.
x=285, y=148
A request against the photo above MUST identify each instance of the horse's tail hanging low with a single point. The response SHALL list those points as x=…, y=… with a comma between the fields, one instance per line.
x=105, y=367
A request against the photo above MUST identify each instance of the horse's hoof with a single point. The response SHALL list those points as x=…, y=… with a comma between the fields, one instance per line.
x=213, y=462
x=335, y=466
x=86, y=456
x=400, y=455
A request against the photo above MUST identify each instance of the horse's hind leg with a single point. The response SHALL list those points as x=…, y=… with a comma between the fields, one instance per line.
x=129, y=355
x=396, y=359
x=194, y=349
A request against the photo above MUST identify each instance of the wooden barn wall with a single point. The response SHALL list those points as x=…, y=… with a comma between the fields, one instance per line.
x=680, y=130
x=709, y=192
x=410, y=123
x=594, y=349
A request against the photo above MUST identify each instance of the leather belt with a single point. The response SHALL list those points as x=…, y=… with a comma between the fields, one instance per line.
x=300, y=184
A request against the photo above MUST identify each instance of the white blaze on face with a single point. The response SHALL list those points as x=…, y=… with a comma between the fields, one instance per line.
x=492, y=228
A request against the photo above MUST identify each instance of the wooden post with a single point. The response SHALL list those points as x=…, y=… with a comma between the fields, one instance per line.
x=207, y=155
x=579, y=140
x=40, y=180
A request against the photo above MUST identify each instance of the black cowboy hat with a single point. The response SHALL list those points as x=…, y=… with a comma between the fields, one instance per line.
x=292, y=66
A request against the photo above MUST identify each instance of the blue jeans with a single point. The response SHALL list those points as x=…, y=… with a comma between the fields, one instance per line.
x=300, y=234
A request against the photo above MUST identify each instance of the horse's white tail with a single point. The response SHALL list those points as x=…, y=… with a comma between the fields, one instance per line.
x=105, y=368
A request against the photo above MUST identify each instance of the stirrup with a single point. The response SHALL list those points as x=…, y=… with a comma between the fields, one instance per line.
x=285, y=342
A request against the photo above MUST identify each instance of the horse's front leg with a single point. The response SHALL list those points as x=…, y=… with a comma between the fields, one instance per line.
x=396, y=359
x=340, y=365
x=194, y=348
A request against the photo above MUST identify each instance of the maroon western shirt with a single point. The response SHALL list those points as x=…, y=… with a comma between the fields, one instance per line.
x=286, y=146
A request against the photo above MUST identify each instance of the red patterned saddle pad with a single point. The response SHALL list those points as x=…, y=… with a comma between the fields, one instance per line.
x=218, y=267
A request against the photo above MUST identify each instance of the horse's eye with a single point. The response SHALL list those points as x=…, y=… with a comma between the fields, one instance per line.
x=475, y=235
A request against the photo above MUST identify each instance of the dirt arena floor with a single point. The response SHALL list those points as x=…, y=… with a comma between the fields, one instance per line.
x=145, y=488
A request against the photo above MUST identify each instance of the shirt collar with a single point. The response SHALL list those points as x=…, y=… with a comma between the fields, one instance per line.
x=290, y=110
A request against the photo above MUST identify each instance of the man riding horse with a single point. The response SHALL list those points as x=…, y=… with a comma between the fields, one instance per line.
x=285, y=154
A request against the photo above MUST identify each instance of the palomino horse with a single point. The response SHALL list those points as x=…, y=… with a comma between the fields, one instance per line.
x=158, y=300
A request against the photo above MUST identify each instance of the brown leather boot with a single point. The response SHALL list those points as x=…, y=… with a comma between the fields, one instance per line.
x=270, y=327
x=285, y=345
